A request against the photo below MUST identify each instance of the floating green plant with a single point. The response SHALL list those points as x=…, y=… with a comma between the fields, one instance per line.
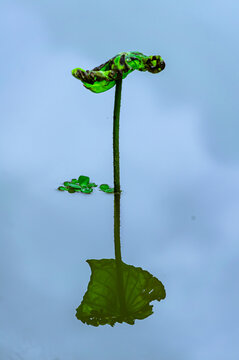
x=82, y=184
x=106, y=188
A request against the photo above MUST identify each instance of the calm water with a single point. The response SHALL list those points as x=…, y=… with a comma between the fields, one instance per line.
x=179, y=176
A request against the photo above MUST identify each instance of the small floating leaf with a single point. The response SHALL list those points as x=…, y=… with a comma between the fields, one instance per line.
x=101, y=302
x=66, y=183
x=110, y=190
x=92, y=185
x=71, y=190
x=106, y=188
x=83, y=180
x=86, y=190
x=62, y=188
x=74, y=186
x=74, y=181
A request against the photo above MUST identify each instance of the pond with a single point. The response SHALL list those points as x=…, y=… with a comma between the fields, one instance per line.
x=175, y=222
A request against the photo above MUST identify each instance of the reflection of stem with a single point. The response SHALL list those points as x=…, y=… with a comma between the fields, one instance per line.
x=118, y=259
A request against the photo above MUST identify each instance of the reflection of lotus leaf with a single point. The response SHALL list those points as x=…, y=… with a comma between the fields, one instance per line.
x=103, y=77
x=101, y=303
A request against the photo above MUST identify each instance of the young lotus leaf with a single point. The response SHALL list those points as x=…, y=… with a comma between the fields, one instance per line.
x=71, y=190
x=62, y=188
x=83, y=180
x=86, y=190
x=82, y=184
x=101, y=302
x=106, y=188
x=74, y=186
x=90, y=185
x=103, y=77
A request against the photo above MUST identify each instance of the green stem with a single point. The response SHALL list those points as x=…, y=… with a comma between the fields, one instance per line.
x=117, y=170
x=118, y=258
x=116, y=136
x=117, y=194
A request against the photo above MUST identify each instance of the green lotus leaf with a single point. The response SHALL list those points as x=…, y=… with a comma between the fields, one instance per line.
x=62, y=188
x=101, y=303
x=92, y=185
x=82, y=184
x=71, y=190
x=106, y=188
x=86, y=190
x=103, y=77
x=74, y=186
x=83, y=180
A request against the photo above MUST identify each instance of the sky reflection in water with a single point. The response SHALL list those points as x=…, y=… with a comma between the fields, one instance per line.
x=179, y=175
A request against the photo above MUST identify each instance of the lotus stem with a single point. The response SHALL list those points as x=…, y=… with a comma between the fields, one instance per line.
x=116, y=135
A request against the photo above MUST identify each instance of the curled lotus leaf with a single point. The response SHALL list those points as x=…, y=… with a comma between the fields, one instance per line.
x=101, y=303
x=104, y=76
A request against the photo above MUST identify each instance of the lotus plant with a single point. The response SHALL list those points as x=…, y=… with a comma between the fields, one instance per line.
x=117, y=292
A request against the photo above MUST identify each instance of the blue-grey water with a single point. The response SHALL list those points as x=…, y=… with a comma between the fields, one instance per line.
x=179, y=154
